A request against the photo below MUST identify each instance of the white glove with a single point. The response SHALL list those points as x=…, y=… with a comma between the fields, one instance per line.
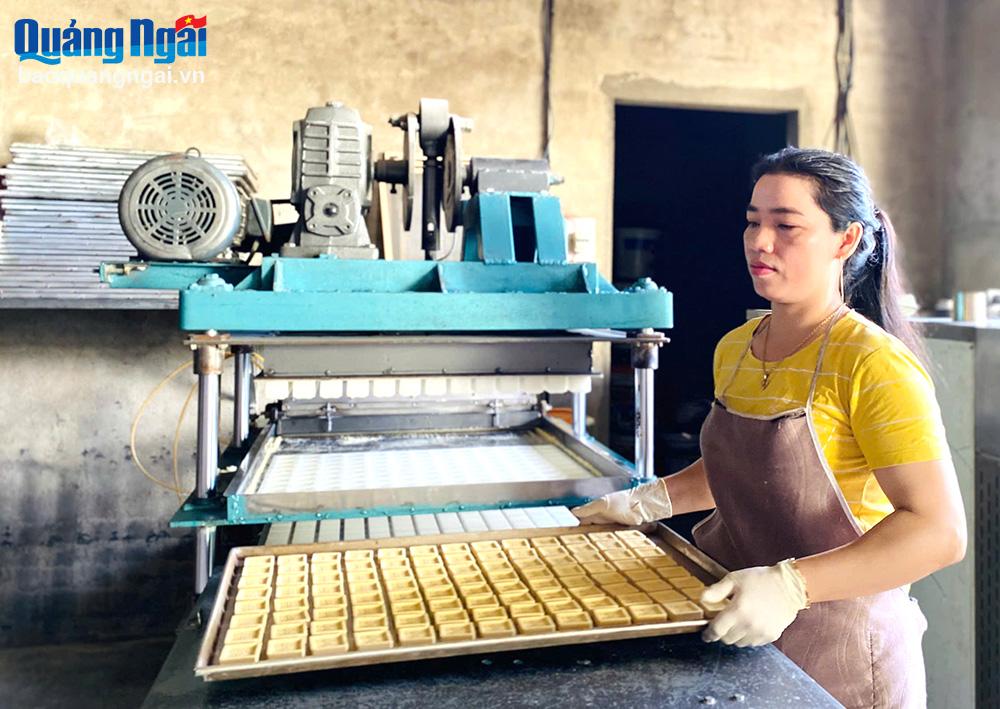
x=764, y=601
x=645, y=503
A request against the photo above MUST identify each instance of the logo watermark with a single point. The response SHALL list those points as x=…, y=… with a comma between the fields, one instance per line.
x=118, y=78
x=188, y=37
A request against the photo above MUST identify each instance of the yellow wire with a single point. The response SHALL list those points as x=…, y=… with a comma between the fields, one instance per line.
x=258, y=360
x=176, y=487
x=135, y=427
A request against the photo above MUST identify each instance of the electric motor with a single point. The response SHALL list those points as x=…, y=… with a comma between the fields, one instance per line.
x=179, y=207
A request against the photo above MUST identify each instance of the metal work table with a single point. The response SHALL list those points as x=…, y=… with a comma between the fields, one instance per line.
x=666, y=671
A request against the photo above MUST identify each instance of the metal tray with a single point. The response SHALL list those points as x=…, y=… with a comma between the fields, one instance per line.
x=688, y=556
x=301, y=477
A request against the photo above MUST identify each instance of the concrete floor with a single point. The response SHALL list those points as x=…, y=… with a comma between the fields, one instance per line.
x=106, y=675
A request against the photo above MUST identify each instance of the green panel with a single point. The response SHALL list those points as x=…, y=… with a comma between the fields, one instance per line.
x=349, y=276
x=254, y=311
x=171, y=276
x=512, y=278
x=232, y=511
x=327, y=275
x=495, y=227
x=550, y=230
x=201, y=513
x=334, y=295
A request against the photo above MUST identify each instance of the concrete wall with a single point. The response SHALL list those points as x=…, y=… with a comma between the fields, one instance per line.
x=737, y=55
x=972, y=222
x=85, y=551
x=74, y=382
x=267, y=62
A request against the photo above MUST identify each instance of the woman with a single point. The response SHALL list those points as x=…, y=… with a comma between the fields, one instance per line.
x=824, y=455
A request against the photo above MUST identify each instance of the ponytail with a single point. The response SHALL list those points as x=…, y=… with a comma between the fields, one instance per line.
x=874, y=285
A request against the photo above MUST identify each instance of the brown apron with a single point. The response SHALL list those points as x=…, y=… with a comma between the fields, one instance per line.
x=777, y=498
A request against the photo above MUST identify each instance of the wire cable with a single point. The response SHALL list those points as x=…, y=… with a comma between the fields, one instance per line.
x=133, y=433
x=258, y=360
x=844, y=139
x=548, y=15
x=135, y=428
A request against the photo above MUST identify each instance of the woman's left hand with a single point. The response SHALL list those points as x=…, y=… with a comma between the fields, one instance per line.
x=764, y=600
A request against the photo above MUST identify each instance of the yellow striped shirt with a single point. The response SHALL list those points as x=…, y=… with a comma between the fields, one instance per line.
x=874, y=405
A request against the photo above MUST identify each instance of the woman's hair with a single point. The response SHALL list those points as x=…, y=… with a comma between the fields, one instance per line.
x=873, y=284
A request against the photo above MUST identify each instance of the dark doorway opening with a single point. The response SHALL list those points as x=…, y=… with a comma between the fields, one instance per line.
x=682, y=182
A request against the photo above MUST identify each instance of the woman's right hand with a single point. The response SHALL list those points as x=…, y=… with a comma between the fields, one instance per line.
x=645, y=503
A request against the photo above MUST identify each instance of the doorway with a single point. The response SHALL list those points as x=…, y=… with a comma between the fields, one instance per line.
x=682, y=182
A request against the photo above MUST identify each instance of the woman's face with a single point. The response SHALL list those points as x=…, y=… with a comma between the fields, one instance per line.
x=791, y=248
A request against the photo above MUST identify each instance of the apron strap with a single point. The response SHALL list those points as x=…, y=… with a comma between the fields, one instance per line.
x=739, y=362
x=819, y=357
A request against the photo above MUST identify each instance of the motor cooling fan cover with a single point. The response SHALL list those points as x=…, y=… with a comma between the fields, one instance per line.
x=179, y=207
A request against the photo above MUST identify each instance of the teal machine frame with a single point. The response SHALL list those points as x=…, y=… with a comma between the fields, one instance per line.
x=539, y=302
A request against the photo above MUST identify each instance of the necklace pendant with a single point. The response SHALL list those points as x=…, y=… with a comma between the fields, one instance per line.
x=765, y=380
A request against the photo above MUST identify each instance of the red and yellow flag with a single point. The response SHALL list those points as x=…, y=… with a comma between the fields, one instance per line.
x=190, y=21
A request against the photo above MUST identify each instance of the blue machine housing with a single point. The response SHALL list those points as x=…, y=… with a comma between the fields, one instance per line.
x=514, y=276
x=489, y=290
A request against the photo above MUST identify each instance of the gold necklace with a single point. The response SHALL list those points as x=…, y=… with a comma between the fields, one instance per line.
x=765, y=373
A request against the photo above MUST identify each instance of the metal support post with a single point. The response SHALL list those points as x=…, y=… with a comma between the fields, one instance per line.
x=208, y=361
x=645, y=359
x=580, y=414
x=204, y=555
x=241, y=396
x=208, y=366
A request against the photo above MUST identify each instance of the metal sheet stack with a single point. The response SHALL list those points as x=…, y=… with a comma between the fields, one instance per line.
x=59, y=209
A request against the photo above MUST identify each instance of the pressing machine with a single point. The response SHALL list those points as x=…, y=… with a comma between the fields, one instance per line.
x=387, y=390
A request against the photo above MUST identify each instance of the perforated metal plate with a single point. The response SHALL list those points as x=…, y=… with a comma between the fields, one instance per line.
x=295, y=477
x=393, y=469
x=347, y=530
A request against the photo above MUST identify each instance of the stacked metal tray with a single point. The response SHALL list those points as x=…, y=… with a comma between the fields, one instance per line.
x=308, y=607
x=59, y=221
